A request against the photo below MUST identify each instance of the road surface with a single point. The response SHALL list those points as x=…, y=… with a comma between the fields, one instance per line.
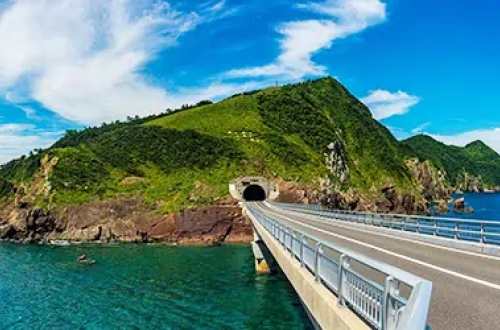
x=466, y=285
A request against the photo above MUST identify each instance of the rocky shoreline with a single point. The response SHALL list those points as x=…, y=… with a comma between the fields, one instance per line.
x=131, y=220
x=125, y=220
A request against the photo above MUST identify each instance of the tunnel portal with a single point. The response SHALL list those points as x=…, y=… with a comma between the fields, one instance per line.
x=253, y=189
x=254, y=193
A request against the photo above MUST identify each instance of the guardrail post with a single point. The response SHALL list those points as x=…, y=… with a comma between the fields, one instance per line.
x=456, y=230
x=481, y=238
x=389, y=313
x=343, y=264
x=292, y=238
x=317, y=255
x=435, y=228
x=280, y=234
x=302, y=242
x=285, y=234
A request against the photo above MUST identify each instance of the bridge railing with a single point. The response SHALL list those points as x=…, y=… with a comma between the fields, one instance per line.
x=472, y=230
x=382, y=306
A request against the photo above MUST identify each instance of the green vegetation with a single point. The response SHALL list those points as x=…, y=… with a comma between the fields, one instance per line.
x=186, y=157
x=475, y=158
x=6, y=188
x=308, y=117
x=21, y=169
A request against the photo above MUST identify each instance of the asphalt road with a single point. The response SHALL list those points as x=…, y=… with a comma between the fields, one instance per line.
x=466, y=286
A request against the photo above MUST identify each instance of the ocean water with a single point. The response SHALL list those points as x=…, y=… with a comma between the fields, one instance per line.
x=142, y=287
x=486, y=206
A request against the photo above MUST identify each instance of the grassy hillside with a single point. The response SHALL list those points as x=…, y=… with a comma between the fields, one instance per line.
x=476, y=158
x=295, y=124
x=186, y=158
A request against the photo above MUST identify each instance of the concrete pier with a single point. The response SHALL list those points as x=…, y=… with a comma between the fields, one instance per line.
x=264, y=262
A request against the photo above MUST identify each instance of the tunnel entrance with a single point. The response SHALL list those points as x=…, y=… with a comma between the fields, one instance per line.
x=253, y=188
x=254, y=193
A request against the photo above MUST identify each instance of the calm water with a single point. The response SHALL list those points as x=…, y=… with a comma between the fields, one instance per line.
x=486, y=206
x=142, y=287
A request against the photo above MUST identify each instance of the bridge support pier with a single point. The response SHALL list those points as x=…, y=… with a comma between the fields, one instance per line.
x=264, y=261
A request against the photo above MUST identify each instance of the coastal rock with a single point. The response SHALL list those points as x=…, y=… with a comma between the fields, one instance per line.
x=431, y=182
x=127, y=220
x=459, y=204
x=442, y=206
x=6, y=231
x=212, y=225
x=389, y=200
x=394, y=202
x=27, y=225
x=470, y=183
x=163, y=230
x=291, y=192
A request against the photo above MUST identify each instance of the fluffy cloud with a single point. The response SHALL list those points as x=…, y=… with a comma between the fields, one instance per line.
x=384, y=104
x=18, y=139
x=83, y=58
x=214, y=90
x=302, y=39
x=489, y=136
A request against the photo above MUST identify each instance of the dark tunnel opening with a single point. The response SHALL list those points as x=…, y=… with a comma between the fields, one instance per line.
x=254, y=193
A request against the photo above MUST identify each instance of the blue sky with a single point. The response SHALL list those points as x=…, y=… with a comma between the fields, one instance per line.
x=420, y=65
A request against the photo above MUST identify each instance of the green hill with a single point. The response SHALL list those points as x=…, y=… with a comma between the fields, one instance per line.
x=475, y=159
x=309, y=133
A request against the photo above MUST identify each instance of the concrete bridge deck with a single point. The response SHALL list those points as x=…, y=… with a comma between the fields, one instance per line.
x=466, y=285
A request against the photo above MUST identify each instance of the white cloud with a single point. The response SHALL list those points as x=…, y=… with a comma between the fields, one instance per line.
x=218, y=6
x=18, y=139
x=489, y=136
x=302, y=39
x=420, y=128
x=83, y=59
x=384, y=104
x=215, y=90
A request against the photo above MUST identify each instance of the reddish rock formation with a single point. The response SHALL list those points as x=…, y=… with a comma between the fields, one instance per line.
x=126, y=220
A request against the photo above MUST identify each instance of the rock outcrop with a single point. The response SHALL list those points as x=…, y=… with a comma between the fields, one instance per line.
x=459, y=205
x=336, y=162
x=469, y=183
x=431, y=182
x=125, y=220
x=388, y=200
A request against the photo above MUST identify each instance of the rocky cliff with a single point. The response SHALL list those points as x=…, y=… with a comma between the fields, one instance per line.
x=125, y=220
x=475, y=167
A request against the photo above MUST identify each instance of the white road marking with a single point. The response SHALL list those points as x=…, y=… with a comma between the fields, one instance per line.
x=394, y=254
x=339, y=223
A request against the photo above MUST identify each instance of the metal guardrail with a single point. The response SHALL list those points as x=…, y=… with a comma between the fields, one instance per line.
x=481, y=231
x=381, y=306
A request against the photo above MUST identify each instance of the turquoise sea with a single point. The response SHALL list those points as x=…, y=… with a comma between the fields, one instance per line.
x=142, y=287
x=154, y=287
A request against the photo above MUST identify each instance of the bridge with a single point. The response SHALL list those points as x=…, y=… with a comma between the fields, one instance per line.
x=355, y=270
